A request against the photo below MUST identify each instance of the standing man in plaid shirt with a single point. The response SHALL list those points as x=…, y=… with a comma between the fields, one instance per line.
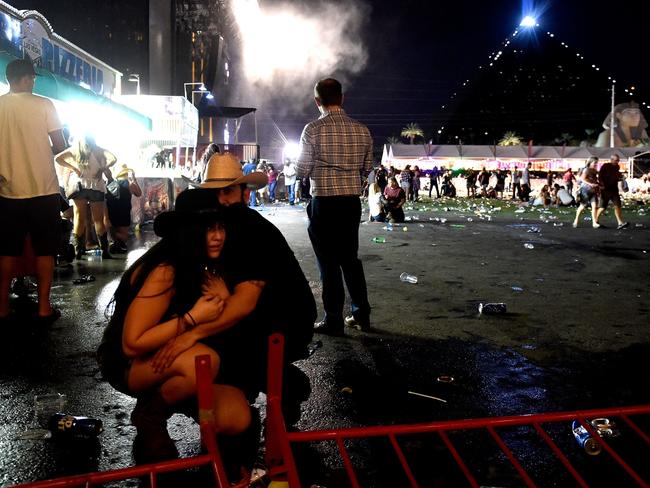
x=336, y=152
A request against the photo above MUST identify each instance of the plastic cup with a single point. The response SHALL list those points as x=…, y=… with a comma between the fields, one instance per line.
x=47, y=405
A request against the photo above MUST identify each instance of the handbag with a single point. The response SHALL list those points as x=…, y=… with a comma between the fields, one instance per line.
x=113, y=189
x=73, y=186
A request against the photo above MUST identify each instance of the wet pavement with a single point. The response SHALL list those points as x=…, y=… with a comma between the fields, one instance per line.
x=575, y=336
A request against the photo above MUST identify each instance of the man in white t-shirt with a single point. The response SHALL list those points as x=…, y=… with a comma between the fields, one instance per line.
x=290, y=180
x=30, y=130
x=525, y=183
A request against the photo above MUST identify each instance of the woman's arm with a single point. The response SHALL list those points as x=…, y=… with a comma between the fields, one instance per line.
x=67, y=160
x=239, y=305
x=110, y=158
x=143, y=331
x=134, y=187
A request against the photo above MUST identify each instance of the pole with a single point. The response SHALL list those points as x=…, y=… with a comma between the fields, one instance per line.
x=613, y=119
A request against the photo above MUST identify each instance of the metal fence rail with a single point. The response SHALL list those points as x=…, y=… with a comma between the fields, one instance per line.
x=211, y=458
x=281, y=462
x=280, y=458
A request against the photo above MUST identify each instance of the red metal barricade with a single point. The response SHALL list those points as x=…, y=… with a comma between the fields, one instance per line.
x=211, y=458
x=280, y=459
x=282, y=466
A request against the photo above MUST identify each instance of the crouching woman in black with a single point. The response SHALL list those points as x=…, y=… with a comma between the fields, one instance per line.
x=164, y=294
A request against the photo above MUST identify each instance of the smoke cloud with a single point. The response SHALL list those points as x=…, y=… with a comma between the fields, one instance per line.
x=286, y=48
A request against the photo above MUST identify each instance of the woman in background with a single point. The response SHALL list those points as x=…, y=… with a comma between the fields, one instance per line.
x=91, y=163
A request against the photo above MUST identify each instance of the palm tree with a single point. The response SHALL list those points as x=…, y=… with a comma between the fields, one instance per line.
x=510, y=138
x=411, y=131
x=392, y=140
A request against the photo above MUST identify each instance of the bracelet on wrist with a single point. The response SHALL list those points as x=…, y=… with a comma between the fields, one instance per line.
x=191, y=323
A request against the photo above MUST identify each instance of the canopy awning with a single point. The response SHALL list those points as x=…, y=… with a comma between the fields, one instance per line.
x=55, y=87
x=225, y=112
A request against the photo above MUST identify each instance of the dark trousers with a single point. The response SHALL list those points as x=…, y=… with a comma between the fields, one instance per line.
x=334, y=234
x=434, y=184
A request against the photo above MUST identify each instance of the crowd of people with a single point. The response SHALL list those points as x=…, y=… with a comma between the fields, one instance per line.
x=204, y=287
x=388, y=189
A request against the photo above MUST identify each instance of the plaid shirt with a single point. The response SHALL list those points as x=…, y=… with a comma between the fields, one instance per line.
x=335, y=151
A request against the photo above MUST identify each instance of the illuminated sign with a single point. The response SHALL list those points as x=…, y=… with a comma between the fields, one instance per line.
x=62, y=62
x=30, y=35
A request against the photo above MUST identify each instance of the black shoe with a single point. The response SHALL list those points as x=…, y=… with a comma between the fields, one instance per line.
x=362, y=325
x=325, y=327
x=46, y=320
x=152, y=442
x=150, y=446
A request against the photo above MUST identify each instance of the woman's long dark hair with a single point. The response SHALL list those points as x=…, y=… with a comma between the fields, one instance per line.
x=183, y=250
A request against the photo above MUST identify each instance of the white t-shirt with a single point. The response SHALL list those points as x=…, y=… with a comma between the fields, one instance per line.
x=564, y=196
x=26, y=159
x=289, y=174
x=374, y=204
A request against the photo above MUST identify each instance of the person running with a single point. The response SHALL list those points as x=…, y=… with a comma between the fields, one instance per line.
x=609, y=177
x=588, y=192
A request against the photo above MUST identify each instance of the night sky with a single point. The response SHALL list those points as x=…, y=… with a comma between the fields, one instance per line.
x=420, y=51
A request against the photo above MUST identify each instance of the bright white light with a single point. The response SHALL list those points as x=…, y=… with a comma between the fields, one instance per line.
x=285, y=41
x=209, y=96
x=292, y=150
x=528, y=21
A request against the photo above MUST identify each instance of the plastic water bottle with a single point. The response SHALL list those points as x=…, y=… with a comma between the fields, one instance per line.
x=379, y=240
x=70, y=426
x=492, y=308
x=408, y=278
x=584, y=439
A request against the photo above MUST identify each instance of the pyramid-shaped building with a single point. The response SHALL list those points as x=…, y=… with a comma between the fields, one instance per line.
x=537, y=86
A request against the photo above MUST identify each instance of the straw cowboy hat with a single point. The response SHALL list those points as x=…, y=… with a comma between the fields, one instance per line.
x=192, y=206
x=123, y=172
x=225, y=170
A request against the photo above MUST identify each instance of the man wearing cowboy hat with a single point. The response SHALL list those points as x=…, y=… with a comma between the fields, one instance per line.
x=266, y=285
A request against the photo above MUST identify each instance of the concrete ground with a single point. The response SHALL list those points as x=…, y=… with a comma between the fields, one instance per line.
x=575, y=336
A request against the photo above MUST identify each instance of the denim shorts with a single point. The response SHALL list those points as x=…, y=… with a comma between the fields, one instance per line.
x=91, y=195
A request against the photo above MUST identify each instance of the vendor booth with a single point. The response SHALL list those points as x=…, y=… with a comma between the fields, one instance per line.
x=542, y=158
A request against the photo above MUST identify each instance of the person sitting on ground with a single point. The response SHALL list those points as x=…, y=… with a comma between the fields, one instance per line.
x=395, y=199
x=588, y=191
x=561, y=197
x=169, y=295
x=375, y=204
x=543, y=197
x=448, y=187
x=119, y=208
